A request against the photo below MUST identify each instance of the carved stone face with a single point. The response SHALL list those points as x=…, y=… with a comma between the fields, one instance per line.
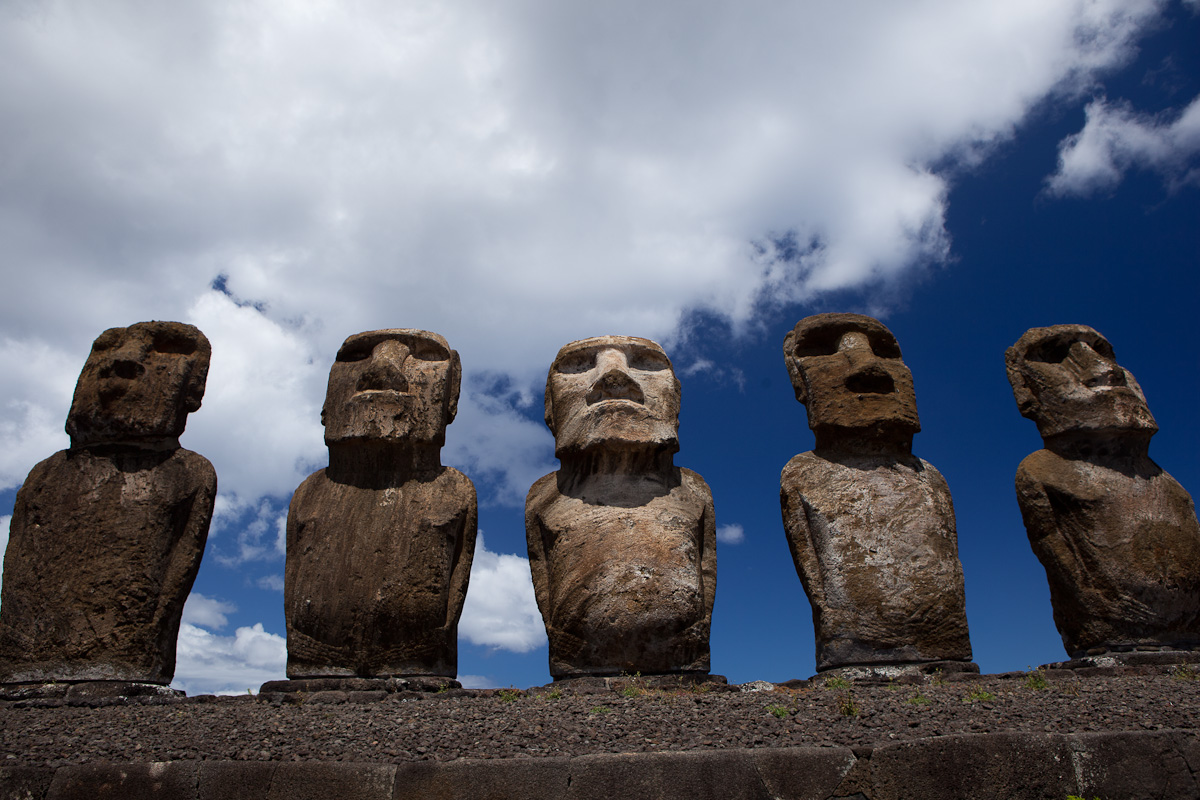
x=396, y=385
x=1066, y=378
x=612, y=390
x=139, y=383
x=846, y=368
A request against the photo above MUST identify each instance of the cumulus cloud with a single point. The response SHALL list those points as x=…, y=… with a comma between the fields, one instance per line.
x=501, y=611
x=4, y=522
x=208, y=663
x=260, y=531
x=731, y=534
x=511, y=175
x=207, y=612
x=273, y=583
x=1116, y=139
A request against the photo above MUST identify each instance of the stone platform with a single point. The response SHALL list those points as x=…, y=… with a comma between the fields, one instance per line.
x=1149, y=764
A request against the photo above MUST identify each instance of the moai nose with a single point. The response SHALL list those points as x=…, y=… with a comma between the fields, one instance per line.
x=867, y=375
x=1094, y=369
x=615, y=382
x=386, y=370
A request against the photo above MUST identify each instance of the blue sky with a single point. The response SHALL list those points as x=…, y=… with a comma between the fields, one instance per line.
x=514, y=177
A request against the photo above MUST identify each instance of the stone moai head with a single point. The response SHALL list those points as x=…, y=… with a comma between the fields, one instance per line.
x=396, y=385
x=847, y=370
x=612, y=391
x=139, y=384
x=1066, y=379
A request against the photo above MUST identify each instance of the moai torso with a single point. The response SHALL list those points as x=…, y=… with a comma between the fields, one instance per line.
x=624, y=589
x=875, y=546
x=380, y=544
x=376, y=578
x=1121, y=548
x=106, y=537
x=622, y=543
x=870, y=526
x=1117, y=535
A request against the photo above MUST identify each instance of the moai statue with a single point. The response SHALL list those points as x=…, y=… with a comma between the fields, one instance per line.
x=622, y=543
x=106, y=537
x=871, y=526
x=379, y=544
x=1117, y=535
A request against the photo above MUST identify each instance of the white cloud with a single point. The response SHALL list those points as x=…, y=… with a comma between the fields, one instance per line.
x=35, y=395
x=207, y=612
x=4, y=523
x=501, y=611
x=273, y=583
x=261, y=531
x=207, y=663
x=511, y=175
x=731, y=534
x=1116, y=139
x=476, y=681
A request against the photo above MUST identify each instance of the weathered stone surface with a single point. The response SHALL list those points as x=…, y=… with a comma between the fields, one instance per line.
x=622, y=543
x=329, y=781
x=660, y=776
x=1117, y=535
x=106, y=537
x=379, y=544
x=871, y=527
x=1003, y=766
x=25, y=783
x=485, y=779
x=803, y=773
x=170, y=780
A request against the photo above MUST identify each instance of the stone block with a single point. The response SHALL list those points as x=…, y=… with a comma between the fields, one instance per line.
x=160, y=780
x=480, y=779
x=705, y=775
x=998, y=766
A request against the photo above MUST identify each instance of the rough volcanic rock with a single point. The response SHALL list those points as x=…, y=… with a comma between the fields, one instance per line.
x=622, y=543
x=379, y=544
x=1117, y=535
x=106, y=537
x=870, y=526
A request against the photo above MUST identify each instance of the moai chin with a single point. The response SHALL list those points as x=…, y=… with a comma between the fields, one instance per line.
x=622, y=543
x=1117, y=535
x=870, y=526
x=106, y=537
x=379, y=544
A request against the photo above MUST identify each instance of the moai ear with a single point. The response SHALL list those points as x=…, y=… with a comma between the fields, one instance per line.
x=793, y=368
x=1014, y=361
x=454, y=380
x=549, y=406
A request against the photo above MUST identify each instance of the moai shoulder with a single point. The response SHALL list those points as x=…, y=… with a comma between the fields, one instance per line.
x=622, y=543
x=1117, y=535
x=380, y=543
x=106, y=537
x=870, y=526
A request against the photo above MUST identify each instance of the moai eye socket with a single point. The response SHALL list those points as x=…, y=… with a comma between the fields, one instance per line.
x=1051, y=351
x=818, y=342
x=576, y=363
x=647, y=360
x=355, y=351
x=884, y=346
x=427, y=350
x=173, y=342
x=107, y=340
